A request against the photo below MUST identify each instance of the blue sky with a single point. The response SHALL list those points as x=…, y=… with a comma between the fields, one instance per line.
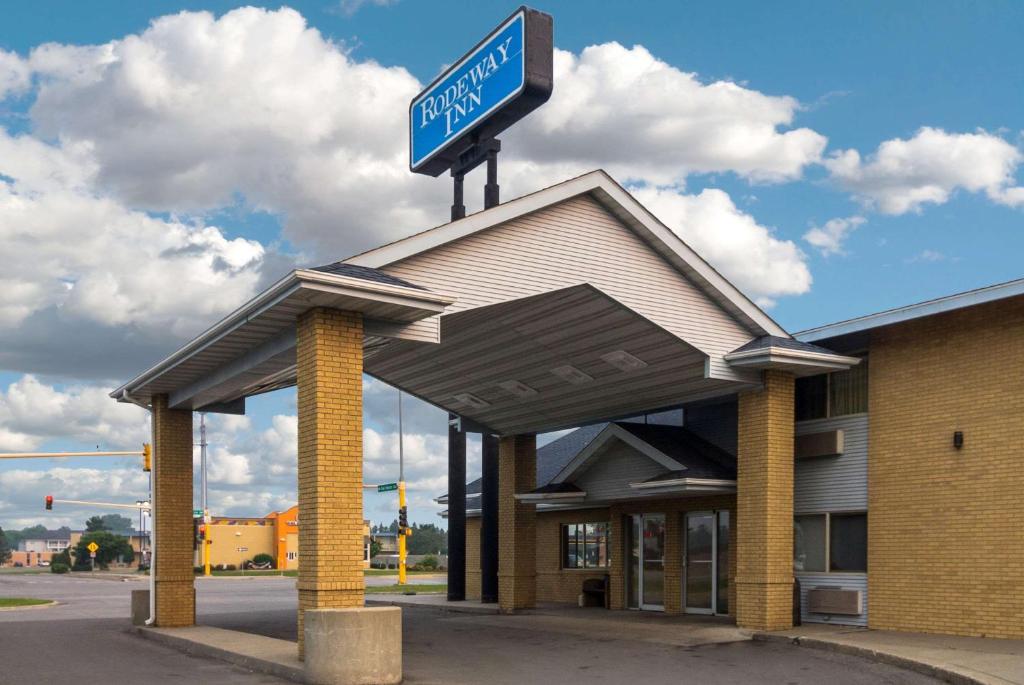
x=133, y=155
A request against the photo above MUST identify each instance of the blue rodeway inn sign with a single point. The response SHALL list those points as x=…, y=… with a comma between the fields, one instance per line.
x=501, y=80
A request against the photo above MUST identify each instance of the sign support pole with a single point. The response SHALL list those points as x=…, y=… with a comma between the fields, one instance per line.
x=491, y=189
x=458, y=208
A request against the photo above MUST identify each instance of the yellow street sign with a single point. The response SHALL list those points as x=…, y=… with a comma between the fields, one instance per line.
x=92, y=547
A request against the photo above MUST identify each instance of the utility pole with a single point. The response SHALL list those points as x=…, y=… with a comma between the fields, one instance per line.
x=206, y=512
x=402, y=511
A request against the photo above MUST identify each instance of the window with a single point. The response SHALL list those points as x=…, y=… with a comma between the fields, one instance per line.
x=585, y=545
x=809, y=543
x=292, y=556
x=830, y=542
x=833, y=394
x=848, y=542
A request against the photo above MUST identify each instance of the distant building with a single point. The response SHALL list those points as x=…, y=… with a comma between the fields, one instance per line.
x=235, y=540
x=50, y=542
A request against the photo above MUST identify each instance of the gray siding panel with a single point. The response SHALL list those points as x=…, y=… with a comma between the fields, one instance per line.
x=613, y=469
x=847, y=581
x=834, y=483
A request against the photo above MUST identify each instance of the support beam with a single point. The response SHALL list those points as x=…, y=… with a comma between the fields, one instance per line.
x=456, y=510
x=330, y=461
x=764, y=505
x=173, y=579
x=517, y=570
x=489, y=537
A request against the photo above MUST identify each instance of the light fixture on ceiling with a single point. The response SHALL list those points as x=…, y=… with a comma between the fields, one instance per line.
x=624, y=361
x=517, y=388
x=472, y=400
x=571, y=374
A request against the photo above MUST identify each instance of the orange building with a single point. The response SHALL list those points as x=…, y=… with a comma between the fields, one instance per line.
x=286, y=537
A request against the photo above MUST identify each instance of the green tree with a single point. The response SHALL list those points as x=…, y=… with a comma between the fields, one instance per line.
x=5, y=548
x=427, y=539
x=116, y=523
x=94, y=524
x=111, y=547
x=374, y=548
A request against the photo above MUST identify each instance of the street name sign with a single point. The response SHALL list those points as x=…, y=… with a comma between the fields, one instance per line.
x=196, y=513
x=387, y=487
x=505, y=77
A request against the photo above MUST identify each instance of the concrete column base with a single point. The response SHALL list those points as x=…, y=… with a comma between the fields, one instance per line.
x=357, y=646
x=140, y=607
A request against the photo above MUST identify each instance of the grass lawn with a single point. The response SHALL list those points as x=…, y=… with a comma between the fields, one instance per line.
x=6, y=602
x=396, y=589
x=291, y=574
x=294, y=573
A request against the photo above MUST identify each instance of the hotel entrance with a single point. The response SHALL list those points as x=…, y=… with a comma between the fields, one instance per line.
x=646, y=571
x=706, y=562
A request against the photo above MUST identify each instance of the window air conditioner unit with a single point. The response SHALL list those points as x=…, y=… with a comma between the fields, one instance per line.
x=833, y=600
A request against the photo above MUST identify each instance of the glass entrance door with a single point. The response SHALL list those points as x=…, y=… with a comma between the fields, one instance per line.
x=647, y=562
x=706, y=567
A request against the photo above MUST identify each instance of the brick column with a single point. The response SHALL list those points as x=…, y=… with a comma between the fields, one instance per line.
x=619, y=557
x=172, y=493
x=329, y=355
x=517, y=537
x=764, y=505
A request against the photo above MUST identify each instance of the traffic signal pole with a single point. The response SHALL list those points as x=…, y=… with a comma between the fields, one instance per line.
x=206, y=512
x=402, y=523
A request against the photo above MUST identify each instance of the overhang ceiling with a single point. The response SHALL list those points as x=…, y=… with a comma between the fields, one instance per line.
x=488, y=350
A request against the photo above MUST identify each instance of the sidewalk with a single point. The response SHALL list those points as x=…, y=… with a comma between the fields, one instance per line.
x=961, y=660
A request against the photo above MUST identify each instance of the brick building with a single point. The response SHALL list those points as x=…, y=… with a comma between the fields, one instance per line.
x=877, y=460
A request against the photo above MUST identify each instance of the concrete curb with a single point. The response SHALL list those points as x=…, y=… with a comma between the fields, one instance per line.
x=252, y=663
x=922, y=667
x=47, y=605
x=452, y=608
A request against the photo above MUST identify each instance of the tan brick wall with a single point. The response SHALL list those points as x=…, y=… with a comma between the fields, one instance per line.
x=517, y=569
x=555, y=584
x=946, y=526
x=172, y=491
x=473, y=558
x=764, y=502
x=330, y=461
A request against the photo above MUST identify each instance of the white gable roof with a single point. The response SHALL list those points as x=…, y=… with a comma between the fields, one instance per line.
x=621, y=204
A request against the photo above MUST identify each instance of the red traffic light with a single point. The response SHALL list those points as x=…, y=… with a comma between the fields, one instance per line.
x=49, y=502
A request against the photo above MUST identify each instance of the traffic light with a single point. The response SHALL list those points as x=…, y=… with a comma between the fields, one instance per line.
x=147, y=457
x=403, y=519
x=49, y=503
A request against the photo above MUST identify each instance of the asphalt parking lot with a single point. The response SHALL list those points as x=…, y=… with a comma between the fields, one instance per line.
x=87, y=633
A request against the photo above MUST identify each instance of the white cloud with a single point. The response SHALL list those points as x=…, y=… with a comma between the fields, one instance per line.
x=23, y=490
x=32, y=412
x=747, y=253
x=15, y=75
x=657, y=123
x=829, y=237
x=196, y=110
x=903, y=175
x=78, y=261
x=350, y=7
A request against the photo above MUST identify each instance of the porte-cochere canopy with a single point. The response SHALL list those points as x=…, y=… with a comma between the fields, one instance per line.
x=567, y=306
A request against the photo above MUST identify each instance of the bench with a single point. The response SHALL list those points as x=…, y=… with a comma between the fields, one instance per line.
x=596, y=589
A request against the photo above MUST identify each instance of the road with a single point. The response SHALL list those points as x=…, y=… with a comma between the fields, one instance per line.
x=87, y=633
